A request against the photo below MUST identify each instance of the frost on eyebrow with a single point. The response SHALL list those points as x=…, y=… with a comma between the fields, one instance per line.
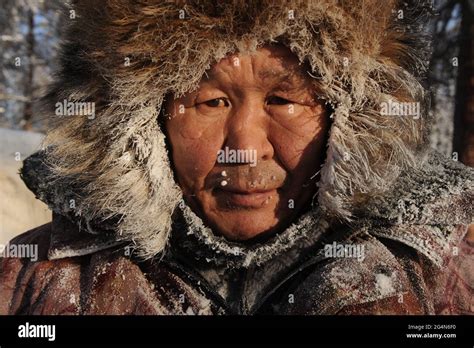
x=294, y=75
x=291, y=77
x=281, y=75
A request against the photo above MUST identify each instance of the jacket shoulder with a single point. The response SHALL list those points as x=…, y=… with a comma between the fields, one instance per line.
x=38, y=238
x=26, y=272
x=439, y=192
x=103, y=282
x=382, y=281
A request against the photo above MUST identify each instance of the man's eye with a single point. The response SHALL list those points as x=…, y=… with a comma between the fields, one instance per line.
x=218, y=102
x=275, y=100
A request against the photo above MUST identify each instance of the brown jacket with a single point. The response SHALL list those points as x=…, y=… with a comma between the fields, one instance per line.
x=391, y=280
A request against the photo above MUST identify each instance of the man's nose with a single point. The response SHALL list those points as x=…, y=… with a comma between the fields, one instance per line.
x=248, y=130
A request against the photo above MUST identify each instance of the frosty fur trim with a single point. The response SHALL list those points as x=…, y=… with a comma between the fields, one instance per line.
x=216, y=249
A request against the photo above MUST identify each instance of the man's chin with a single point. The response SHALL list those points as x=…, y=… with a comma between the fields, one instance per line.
x=245, y=226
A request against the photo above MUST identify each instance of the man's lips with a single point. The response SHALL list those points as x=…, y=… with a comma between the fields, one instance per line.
x=255, y=198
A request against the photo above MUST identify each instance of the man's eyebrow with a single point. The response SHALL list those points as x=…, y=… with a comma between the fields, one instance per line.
x=281, y=75
x=286, y=80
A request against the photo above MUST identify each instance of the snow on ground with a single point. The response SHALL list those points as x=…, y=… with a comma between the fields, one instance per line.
x=19, y=209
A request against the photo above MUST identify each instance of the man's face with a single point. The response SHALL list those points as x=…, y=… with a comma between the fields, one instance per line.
x=248, y=142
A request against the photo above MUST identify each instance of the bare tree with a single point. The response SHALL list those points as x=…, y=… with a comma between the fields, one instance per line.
x=451, y=78
x=29, y=36
x=30, y=54
x=463, y=139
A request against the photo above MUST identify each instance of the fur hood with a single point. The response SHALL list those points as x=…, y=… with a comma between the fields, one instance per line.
x=113, y=170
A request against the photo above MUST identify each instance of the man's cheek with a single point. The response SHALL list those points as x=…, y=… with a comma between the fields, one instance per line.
x=188, y=129
x=290, y=149
x=196, y=160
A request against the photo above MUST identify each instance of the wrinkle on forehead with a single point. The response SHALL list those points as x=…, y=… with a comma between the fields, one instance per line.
x=270, y=65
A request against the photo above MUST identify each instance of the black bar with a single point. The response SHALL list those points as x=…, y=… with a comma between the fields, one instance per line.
x=260, y=330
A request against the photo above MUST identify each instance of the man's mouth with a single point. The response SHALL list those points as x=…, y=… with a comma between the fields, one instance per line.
x=255, y=198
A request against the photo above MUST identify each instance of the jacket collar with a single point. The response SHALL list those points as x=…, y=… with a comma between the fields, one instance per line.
x=192, y=236
x=69, y=239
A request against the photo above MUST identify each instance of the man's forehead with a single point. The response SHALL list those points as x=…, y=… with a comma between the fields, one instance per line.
x=265, y=65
